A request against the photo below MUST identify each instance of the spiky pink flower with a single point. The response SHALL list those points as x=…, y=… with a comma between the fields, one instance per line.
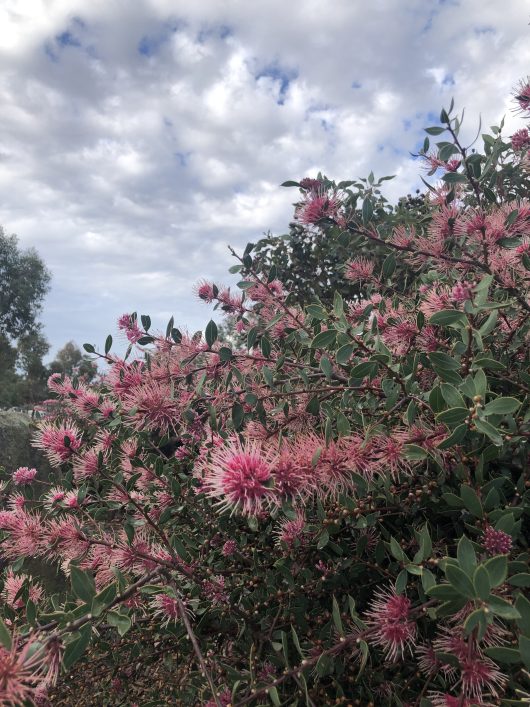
x=359, y=269
x=12, y=586
x=153, y=407
x=310, y=184
x=480, y=675
x=317, y=207
x=229, y=548
x=390, y=624
x=129, y=325
x=25, y=534
x=22, y=669
x=58, y=442
x=86, y=465
x=522, y=95
x=205, y=290
x=53, y=497
x=214, y=589
x=429, y=664
x=496, y=542
x=23, y=475
x=461, y=292
x=520, y=139
x=290, y=531
x=239, y=477
x=166, y=607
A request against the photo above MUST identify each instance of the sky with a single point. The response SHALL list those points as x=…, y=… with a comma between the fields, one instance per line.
x=139, y=139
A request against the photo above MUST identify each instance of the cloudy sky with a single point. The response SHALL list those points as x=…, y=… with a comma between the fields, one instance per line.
x=138, y=138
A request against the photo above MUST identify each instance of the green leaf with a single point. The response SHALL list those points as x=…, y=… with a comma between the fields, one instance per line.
x=290, y=183
x=89, y=348
x=337, y=618
x=454, y=178
x=524, y=650
x=324, y=339
x=488, y=429
x=476, y=618
x=344, y=354
x=75, y=649
x=501, y=654
x=497, y=568
x=451, y=396
x=435, y=130
x=120, y=621
x=211, y=332
x=502, y=406
x=456, y=437
x=238, y=415
x=362, y=370
x=460, y=581
x=501, y=607
x=413, y=451
x=389, y=266
x=83, y=584
x=523, y=607
x=323, y=540
x=448, y=316
x=481, y=582
x=324, y=665
x=471, y=500
x=453, y=416
x=272, y=691
x=443, y=361
x=367, y=211
x=103, y=599
x=396, y=550
x=108, y=344
x=316, y=311
x=453, y=500
x=445, y=592
x=520, y=580
x=467, y=558
x=5, y=636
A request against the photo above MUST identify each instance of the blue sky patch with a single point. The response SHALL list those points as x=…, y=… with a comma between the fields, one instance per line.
x=276, y=73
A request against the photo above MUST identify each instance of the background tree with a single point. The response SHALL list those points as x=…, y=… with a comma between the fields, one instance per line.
x=71, y=361
x=24, y=281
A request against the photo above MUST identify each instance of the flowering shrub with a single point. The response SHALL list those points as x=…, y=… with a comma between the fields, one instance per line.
x=335, y=512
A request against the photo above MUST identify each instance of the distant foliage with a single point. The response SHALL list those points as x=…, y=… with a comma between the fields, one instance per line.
x=335, y=512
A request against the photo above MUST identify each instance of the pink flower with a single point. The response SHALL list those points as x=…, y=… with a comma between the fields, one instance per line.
x=12, y=586
x=478, y=675
x=496, y=542
x=390, y=625
x=23, y=475
x=359, y=269
x=22, y=670
x=522, y=95
x=291, y=531
x=166, y=607
x=317, y=207
x=129, y=325
x=214, y=589
x=153, y=407
x=520, y=139
x=58, y=442
x=239, y=477
x=229, y=548
x=205, y=291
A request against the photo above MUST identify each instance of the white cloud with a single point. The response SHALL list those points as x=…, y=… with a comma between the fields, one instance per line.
x=138, y=139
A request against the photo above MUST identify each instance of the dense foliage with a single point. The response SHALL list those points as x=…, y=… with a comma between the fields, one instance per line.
x=335, y=512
